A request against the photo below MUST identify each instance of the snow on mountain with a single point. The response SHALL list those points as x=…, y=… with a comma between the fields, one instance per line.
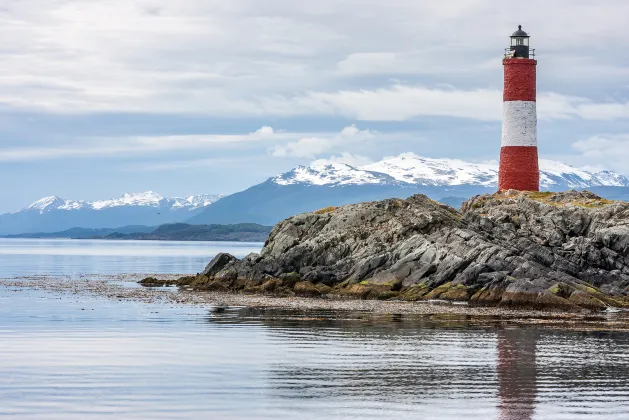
x=553, y=173
x=144, y=199
x=148, y=198
x=410, y=169
x=196, y=201
x=46, y=204
x=54, y=214
x=331, y=174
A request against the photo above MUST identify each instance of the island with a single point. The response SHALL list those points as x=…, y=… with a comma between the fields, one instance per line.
x=567, y=251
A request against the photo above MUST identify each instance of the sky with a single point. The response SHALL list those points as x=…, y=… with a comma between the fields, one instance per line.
x=102, y=97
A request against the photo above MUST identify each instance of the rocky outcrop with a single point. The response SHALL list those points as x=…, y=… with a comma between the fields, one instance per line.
x=546, y=250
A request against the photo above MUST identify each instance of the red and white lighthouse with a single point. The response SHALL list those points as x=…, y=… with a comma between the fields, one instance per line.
x=519, y=166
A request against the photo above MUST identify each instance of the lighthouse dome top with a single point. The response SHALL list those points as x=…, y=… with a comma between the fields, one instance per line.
x=519, y=45
x=519, y=32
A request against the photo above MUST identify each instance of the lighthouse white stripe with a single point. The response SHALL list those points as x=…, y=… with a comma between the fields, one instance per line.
x=519, y=123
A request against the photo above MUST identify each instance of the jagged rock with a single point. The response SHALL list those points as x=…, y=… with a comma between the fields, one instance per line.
x=552, y=250
x=218, y=263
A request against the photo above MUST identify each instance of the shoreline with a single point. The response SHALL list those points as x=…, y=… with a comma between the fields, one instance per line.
x=124, y=287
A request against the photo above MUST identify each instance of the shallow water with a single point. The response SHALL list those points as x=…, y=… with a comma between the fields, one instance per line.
x=66, y=356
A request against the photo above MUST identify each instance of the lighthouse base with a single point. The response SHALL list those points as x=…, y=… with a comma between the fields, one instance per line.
x=519, y=168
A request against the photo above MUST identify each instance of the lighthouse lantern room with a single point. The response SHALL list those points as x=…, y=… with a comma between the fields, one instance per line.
x=519, y=166
x=520, y=43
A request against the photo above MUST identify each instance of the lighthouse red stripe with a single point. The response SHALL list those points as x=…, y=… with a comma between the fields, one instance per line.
x=520, y=79
x=519, y=168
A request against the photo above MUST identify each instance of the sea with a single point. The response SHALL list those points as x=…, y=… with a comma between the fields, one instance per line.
x=70, y=356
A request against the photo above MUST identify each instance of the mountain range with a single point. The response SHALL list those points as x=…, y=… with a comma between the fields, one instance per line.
x=52, y=214
x=304, y=188
x=452, y=181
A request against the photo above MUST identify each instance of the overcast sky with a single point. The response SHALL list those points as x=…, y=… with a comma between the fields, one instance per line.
x=99, y=97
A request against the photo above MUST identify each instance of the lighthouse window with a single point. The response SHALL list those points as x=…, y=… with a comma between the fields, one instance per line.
x=519, y=41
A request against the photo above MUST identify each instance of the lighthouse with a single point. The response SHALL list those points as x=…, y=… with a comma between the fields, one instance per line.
x=519, y=166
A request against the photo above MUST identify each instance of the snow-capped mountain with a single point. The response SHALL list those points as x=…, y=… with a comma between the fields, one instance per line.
x=52, y=214
x=305, y=188
x=308, y=188
x=332, y=174
x=146, y=199
x=410, y=169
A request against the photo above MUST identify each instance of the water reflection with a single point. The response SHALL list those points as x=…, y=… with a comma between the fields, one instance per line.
x=76, y=358
x=516, y=369
x=441, y=368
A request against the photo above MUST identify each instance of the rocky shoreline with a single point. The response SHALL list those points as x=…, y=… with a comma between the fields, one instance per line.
x=562, y=251
x=121, y=288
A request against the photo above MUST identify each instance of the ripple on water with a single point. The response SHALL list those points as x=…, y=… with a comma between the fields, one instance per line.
x=74, y=357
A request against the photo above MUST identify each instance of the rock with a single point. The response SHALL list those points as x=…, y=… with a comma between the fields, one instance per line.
x=524, y=293
x=305, y=288
x=271, y=285
x=550, y=250
x=458, y=292
x=319, y=276
x=218, y=263
x=323, y=289
x=289, y=279
x=585, y=300
x=153, y=282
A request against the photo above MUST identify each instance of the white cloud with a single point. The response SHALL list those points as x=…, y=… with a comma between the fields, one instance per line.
x=306, y=147
x=615, y=146
x=311, y=147
x=113, y=146
x=265, y=131
x=604, y=151
x=400, y=103
x=345, y=157
x=294, y=144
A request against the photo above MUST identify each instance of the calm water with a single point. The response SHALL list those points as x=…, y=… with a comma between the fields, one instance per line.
x=24, y=257
x=72, y=357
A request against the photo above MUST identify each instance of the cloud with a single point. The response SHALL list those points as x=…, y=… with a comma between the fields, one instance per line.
x=245, y=58
x=614, y=146
x=609, y=151
x=294, y=144
x=310, y=147
x=423, y=59
x=306, y=147
x=265, y=131
x=345, y=157
x=138, y=145
x=556, y=106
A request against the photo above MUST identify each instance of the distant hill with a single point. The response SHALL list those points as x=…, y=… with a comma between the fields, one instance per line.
x=243, y=232
x=82, y=233
x=452, y=181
